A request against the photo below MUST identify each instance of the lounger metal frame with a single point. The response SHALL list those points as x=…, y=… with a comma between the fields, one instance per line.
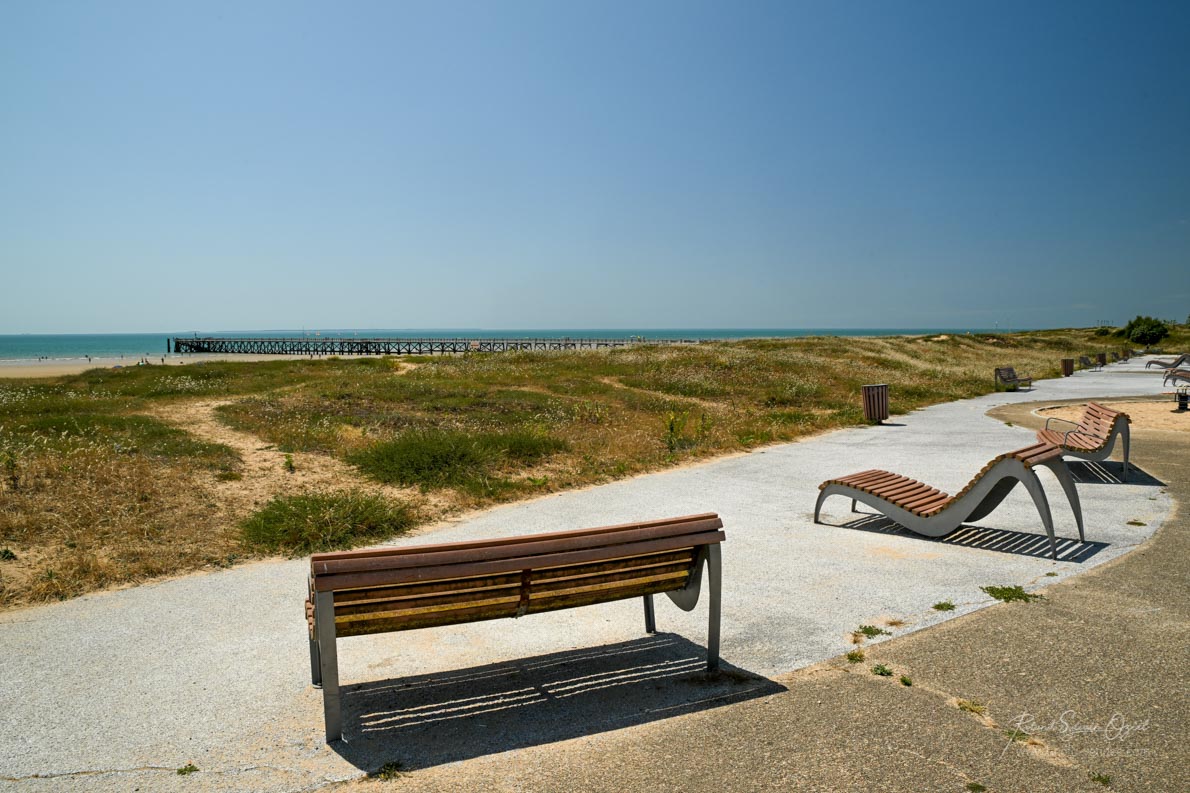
x=982, y=496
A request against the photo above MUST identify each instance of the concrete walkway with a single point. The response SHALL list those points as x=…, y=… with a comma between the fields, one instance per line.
x=120, y=689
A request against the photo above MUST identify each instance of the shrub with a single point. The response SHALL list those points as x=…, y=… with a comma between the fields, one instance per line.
x=1145, y=330
x=313, y=522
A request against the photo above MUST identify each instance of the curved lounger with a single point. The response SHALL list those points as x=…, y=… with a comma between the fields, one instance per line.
x=932, y=513
x=1176, y=375
x=1093, y=437
x=1176, y=363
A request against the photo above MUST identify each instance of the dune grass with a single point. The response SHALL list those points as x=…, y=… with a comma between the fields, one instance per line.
x=94, y=493
x=314, y=522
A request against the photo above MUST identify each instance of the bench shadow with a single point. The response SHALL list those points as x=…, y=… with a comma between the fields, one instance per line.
x=988, y=539
x=427, y=720
x=1110, y=472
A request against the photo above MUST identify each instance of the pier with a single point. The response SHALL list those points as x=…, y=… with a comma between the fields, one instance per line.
x=393, y=346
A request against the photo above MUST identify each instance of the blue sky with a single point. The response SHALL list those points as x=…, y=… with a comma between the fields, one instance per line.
x=560, y=164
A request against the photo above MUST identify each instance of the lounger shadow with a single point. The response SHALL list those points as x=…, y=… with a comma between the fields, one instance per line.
x=984, y=538
x=932, y=513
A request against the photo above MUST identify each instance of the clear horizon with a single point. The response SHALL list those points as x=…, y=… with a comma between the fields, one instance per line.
x=661, y=165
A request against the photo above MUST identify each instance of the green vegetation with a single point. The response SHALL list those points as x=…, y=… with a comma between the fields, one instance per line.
x=855, y=656
x=388, y=772
x=1102, y=779
x=1145, y=330
x=975, y=787
x=6, y=555
x=906, y=681
x=288, y=465
x=1137, y=523
x=871, y=631
x=187, y=769
x=314, y=522
x=434, y=459
x=1014, y=734
x=881, y=670
x=972, y=706
x=1009, y=594
x=944, y=605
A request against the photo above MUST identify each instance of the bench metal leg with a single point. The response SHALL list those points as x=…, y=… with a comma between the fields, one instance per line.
x=315, y=664
x=715, y=580
x=1126, y=439
x=324, y=626
x=1062, y=473
x=650, y=617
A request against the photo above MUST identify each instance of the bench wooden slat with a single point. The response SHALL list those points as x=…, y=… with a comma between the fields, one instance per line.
x=401, y=550
x=324, y=583
x=524, y=549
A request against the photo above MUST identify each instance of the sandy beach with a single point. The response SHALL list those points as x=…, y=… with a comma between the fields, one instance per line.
x=57, y=367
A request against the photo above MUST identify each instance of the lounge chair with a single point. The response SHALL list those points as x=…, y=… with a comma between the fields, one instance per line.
x=1176, y=375
x=1087, y=363
x=1176, y=363
x=1092, y=437
x=932, y=513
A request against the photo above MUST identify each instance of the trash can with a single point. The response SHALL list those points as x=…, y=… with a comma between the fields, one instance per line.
x=1067, y=367
x=1102, y=356
x=875, y=402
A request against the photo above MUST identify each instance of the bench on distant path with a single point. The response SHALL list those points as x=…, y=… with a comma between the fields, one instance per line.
x=1176, y=363
x=1008, y=376
x=1087, y=363
x=1092, y=437
x=379, y=590
x=928, y=511
x=1175, y=375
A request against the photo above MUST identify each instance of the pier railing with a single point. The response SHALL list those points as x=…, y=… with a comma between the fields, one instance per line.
x=227, y=345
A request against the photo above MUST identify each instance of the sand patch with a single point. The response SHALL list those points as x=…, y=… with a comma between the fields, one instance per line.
x=1146, y=415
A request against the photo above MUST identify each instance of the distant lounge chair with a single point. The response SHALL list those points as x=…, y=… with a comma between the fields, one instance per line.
x=1093, y=437
x=1176, y=363
x=1087, y=363
x=932, y=513
x=1175, y=375
x=1008, y=376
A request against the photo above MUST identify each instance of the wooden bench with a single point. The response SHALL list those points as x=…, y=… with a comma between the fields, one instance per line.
x=1006, y=375
x=1087, y=363
x=1091, y=438
x=380, y=590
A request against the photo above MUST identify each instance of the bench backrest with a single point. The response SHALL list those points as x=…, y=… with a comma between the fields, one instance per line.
x=1006, y=374
x=1097, y=425
x=392, y=589
x=1085, y=361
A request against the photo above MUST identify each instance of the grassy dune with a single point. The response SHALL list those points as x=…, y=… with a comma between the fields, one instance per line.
x=95, y=493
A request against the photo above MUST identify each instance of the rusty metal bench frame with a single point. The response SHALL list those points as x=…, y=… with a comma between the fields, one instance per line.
x=1093, y=437
x=381, y=590
x=932, y=513
x=1008, y=376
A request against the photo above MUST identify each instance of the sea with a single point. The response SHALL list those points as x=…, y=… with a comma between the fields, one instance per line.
x=72, y=346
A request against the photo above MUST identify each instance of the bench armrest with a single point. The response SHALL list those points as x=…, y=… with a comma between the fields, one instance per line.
x=1064, y=421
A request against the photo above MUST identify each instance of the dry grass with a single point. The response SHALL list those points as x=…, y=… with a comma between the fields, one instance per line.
x=88, y=519
x=109, y=477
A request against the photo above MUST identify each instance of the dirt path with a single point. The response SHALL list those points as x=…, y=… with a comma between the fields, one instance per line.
x=706, y=403
x=264, y=471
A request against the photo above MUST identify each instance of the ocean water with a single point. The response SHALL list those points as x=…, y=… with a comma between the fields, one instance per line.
x=69, y=346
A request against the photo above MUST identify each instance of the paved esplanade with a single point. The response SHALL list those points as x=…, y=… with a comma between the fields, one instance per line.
x=117, y=690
